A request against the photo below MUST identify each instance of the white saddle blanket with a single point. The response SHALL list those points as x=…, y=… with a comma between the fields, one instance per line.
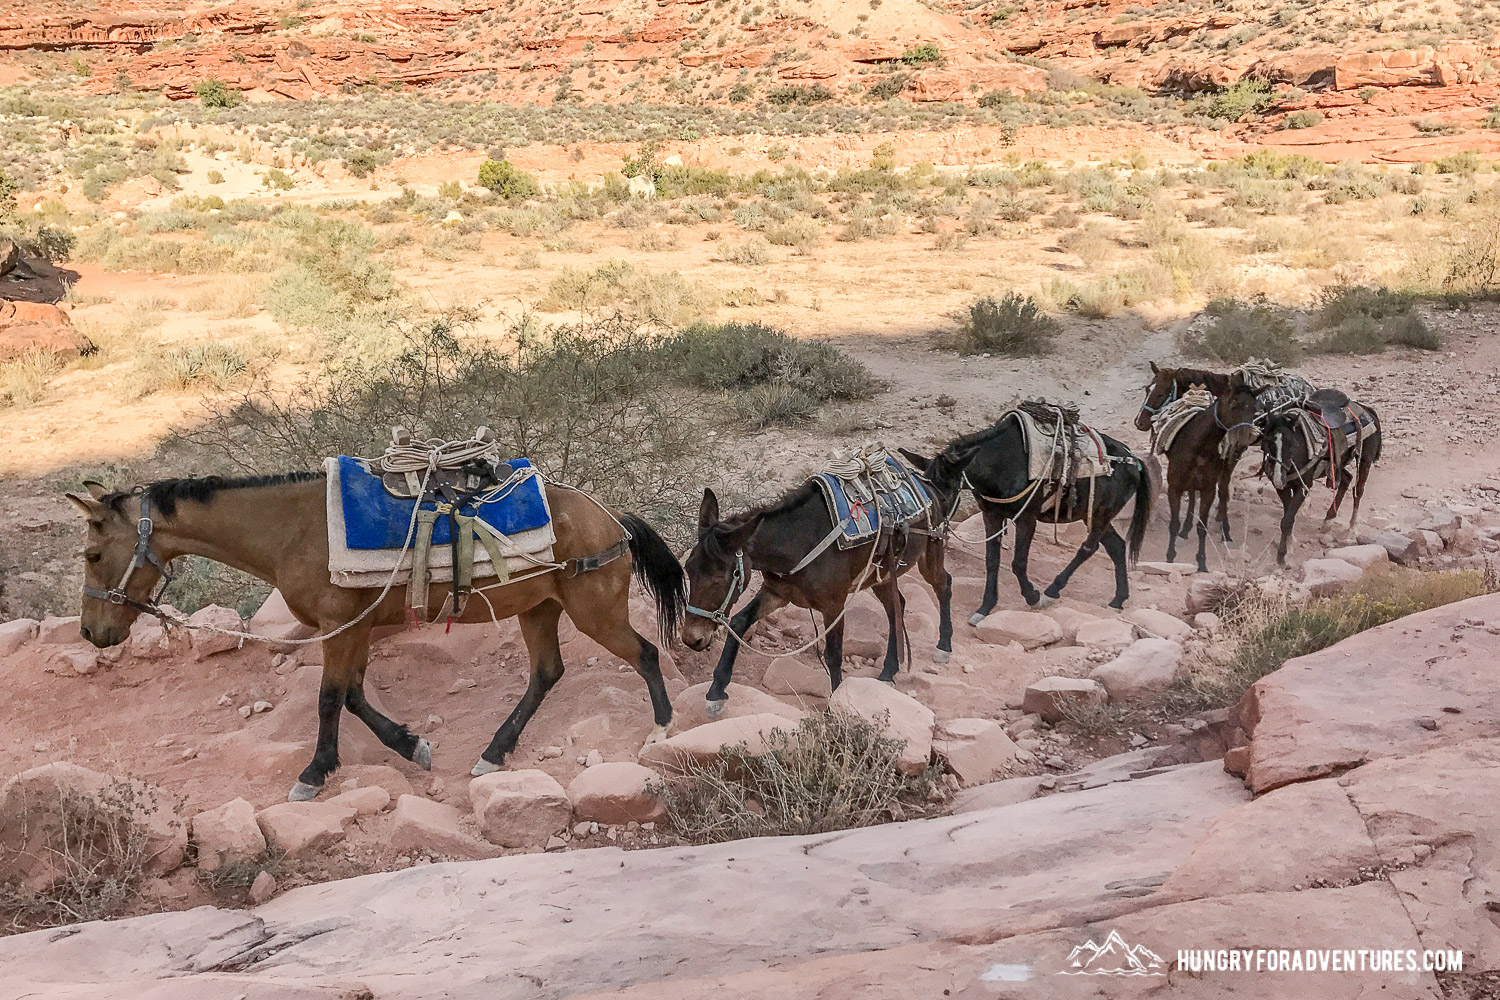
x=363, y=568
x=1082, y=458
x=1175, y=416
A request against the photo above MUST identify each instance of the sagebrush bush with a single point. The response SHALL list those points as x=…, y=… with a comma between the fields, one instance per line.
x=1013, y=325
x=502, y=177
x=1237, y=331
x=834, y=771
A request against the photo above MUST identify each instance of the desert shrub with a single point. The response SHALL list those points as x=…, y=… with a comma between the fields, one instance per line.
x=596, y=405
x=1464, y=163
x=214, y=93
x=1411, y=330
x=8, y=188
x=1239, y=99
x=799, y=232
x=834, y=771
x=1302, y=119
x=1262, y=631
x=23, y=380
x=791, y=96
x=277, y=180
x=754, y=252
x=1363, y=320
x=1237, y=331
x=1352, y=182
x=99, y=851
x=666, y=298
x=1013, y=325
x=888, y=86
x=780, y=370
x=1340, y=302
x=210, y=364
x=921, y=55
x=502, y=177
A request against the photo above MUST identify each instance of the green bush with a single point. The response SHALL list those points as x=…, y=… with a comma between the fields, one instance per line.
x=278, y=180
x=1302, y=119
x=789, y=96
x=1241, y=98
x=921, y=55
x=214, y=93
x=1237, y=331
x=8, y=188
x=887, y=87
x=1014, y=325
x=1363, y=320
x=502, y=177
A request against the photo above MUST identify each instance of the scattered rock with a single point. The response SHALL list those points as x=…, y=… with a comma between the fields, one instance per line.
x=1143, y=671
x=1400, y=548
x=1207, y=621
x=300, y=829
x=1167, y=568
x=365, y=801
x=28, y=327
x=244, y=711
x=688, y=708
x=206, y=644
x=1326, y=577
x=976, y=750
x=1106, y=634
x=701, y=744
x=519, y=808
x=55, y=631
x=1207, y=593
x=83, y=660
x=261, y=706
x=1030, y=629
x=1363, y=556
x=1158, y=623
x=263, y=888
x=15, y=634
x=787, y=675
x=422, y=825
x=616, y=792
x=904, y=717
x=227, y=833
x=1049, y=696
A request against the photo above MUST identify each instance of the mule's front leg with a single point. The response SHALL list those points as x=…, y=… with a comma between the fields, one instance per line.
x=344, y=659
x=1174, y=503
x=762, y=604
x=1085, y=551
x=1224, y=491
x=993, y=519
x=1205, y=509
x=895, y=616
x=833, y=648
x=539, y=630
x=1291, y=502
x=936, y=573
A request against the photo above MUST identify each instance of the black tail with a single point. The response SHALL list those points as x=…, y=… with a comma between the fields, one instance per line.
x=1375, y=438
x=1141, y=516
x=659, y=572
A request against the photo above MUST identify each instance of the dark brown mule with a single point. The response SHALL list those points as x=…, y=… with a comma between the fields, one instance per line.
x=1201, y=459
x=993, y=463
x=1168, y=385
x=1288, y=458
x=774, y=538
x=275, y=528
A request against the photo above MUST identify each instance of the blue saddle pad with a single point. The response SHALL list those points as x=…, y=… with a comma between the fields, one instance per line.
x=889, y=510
x=373, y=519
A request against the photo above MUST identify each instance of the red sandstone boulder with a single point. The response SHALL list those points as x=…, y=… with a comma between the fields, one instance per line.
x=39, y=326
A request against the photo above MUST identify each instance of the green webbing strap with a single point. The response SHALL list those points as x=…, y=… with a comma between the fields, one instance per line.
x=490, y=539
x=416, y=590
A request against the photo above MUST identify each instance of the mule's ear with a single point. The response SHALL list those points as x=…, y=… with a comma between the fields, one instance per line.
x=88, y=507
x=708, y=511
x=1155, y=370
x=1236, y=379
x=917, y=461
x=97, y=490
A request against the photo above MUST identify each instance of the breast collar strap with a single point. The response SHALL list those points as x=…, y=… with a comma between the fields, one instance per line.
x=141, y=557
x=736, y=587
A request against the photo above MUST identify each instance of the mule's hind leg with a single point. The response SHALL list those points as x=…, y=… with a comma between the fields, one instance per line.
x=343, y=656
x=1361, y=475
x=1342, y=478
x=1088, y=548
x=1115, y=546
x=762, y=604
x=833, y=645
x=936, y=573
x=613, y=631
x=1224, y=485
x=539, y=629
x=1205, y=509
x=1174, y=501
x=1025, y=530
x=1291, y=503
x=1187, y=520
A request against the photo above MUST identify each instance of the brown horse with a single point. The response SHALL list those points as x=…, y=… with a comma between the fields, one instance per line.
x=1166, y=386
x=275, y=528
x=1202, y=456
x=776, y=538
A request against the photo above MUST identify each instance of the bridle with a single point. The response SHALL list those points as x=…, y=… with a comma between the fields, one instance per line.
x=141, y=556
x=1226, y=428
x=720, y=616
x=1154, y=410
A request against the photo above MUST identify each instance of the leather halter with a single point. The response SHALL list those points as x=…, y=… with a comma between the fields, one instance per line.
x=1154, y=410
x=1244, y=423
x=139, y=558
x=736, y=587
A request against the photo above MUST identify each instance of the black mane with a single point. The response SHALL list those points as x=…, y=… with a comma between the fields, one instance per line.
x=711, y=541
x=164, y=493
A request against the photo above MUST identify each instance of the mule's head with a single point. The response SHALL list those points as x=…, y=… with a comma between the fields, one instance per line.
x=1238, y=415
x=108, y=551
x=944, y=472
x=717, y=572
x=1158, y=394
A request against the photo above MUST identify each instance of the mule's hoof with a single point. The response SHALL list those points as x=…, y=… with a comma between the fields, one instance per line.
x=303, y=792
x=421, y=755
x=713, y=709
x=888, y=683
x=1045, y=602
x=482, y=766
x=976, y=618
x=1118, y=605
x=941, y=656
